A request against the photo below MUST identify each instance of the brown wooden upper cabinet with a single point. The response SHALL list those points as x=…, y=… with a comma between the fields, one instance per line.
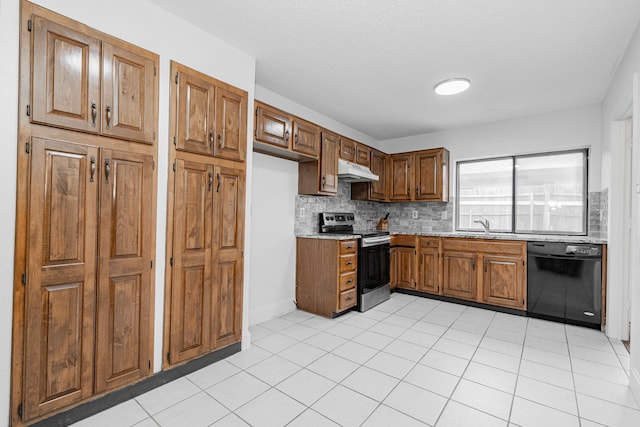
x=212, y=116
x=362, y=155
x=83, y=82
x=287, y=132
x=375, y=190
x=348, y=149
x=420, y=176
x=320, y=177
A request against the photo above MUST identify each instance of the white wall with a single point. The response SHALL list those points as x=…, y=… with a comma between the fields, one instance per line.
x=273, y=248
x=619, y=96
x=150, y=27
x=560, y=130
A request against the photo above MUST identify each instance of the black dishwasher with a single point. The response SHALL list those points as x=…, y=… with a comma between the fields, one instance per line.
x=564, y=282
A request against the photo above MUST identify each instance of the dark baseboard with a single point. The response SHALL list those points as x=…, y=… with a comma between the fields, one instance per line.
x=462, y=302
x=116, y=397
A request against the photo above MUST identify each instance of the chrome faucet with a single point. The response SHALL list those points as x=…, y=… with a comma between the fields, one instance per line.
x=484, y=222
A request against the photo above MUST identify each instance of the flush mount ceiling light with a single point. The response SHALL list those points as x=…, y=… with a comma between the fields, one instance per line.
x=452, y=86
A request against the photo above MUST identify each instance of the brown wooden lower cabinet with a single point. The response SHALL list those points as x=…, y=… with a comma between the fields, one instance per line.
x=460, y=275
x=88, y=273
x=326, y=273
x=486, y=271
x=206, y=279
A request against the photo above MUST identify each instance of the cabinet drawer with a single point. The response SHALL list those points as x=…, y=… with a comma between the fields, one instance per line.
x=348, y=263
x=347, y=299
x=348, y=247
x=347, y=281
x=429, y=242
x=403, y=240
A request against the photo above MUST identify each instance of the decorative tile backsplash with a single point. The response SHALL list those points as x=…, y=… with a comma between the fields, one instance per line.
x=431, y=216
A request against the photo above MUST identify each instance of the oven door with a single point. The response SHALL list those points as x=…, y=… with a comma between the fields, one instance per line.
x=373, y=267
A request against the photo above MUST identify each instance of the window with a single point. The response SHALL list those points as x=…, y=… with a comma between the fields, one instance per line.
x=549, y=190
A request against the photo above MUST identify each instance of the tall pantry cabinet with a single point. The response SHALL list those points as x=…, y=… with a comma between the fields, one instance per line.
x=86, y=208
x=205, y=233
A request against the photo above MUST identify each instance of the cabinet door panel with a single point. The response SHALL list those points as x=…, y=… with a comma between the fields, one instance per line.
x=191, y=280
x=231, y=124
x=123, y=351
x=363, y=155
x=378, y=167
x=460, y=275
x=329, y=163
x=503, y=281
x=272, y=126
x=428, y=185
x=66, y=77
x=228, y=253
x=128, y=94
x=347, y=149
x=306, y=138
x=61, y=264
x=401, y=177
x=196, y=114
x=429, y=268
x=406, y=268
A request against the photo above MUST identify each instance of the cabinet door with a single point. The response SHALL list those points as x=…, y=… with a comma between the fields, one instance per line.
x=362, y=155
x=66, y=77
x=378, y=166
x=329, y=163
x=196, y=114
x=191, y=279
x=306, y=138
x=61, y=264
x=272, y=126
x=459, y=279
x=231, y=125
x=124, y=306
x=128, y=93
x=406, y=268
x=503, y=281
x=228, y=255
x=347, y=149
x=429, y=270
x=401, y=177
x=431, y=175
x=393, y=268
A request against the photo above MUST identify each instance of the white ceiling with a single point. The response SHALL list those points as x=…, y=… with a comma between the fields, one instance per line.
x=372, y=64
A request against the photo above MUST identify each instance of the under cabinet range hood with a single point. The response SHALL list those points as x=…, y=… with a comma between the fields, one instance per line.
x=352, y=172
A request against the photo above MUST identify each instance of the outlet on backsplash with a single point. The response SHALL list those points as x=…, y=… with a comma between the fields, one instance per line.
x=414, y=214
x=301, y=213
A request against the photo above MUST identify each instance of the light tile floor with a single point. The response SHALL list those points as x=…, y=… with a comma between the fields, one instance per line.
x=408, y=362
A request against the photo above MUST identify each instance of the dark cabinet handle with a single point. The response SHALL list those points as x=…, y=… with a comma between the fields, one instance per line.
x=473, y=264
x=349, y=262
x=107, y=169
x=211, y=138
x=108, y=108
x=323, y=180
x=219, y=141
x=408, y=193
x=94, y=113
x=349, y=299
x=349, y=247
x=350, y=281
x=485, y=265
x=218, y=187
x=296, y=138
x=93, y=168
x=210, y=180
x=416, y=192
x=286, y=136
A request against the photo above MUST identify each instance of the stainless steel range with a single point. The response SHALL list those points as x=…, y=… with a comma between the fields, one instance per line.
x=373, y=257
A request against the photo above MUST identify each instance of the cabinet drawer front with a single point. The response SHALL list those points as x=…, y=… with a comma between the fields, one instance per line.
x=403, y=240
x=347, y=281
x=347, y=299
x=429, y=242
x=348, y=247
x=348, y=263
